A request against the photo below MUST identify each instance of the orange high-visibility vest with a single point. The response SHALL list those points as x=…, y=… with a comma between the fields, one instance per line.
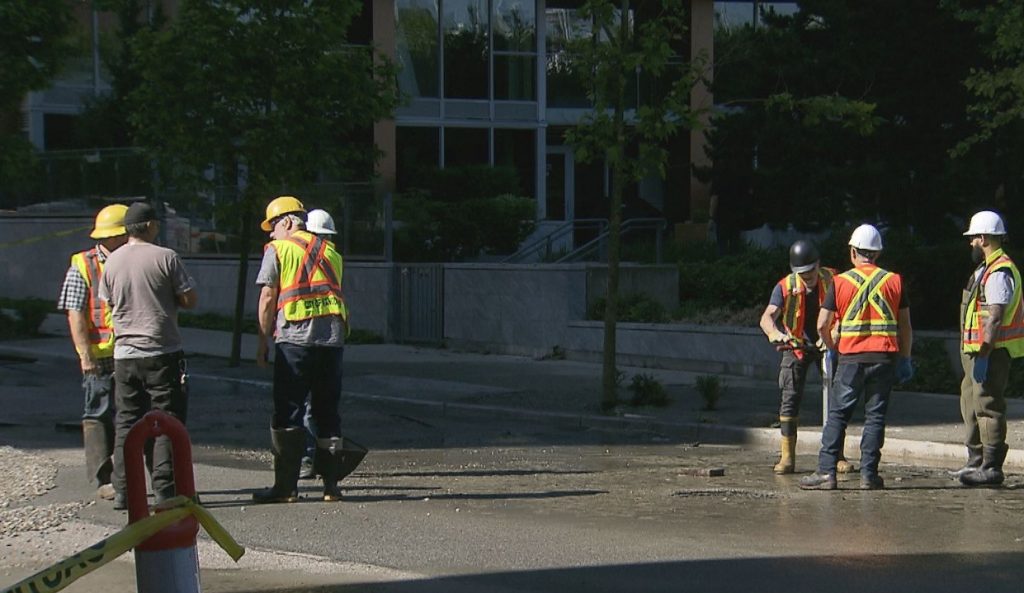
x=794, y=291
x=101, y=326
x=311, y=271
x=867, y=306
x=1010, y=334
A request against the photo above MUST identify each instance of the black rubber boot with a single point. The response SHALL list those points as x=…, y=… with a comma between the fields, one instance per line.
x=287, y=445
x=98, y=441
x=336, y=458
x=974, y=458
x=991, y=471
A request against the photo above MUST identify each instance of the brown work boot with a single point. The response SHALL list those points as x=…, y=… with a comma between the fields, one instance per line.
x=845, y=467
x=787, y=461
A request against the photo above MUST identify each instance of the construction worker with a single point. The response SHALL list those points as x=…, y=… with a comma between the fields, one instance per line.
x=992, y=331
x=92, y=333
x=874, y=348
x=796, y=299
x=321, y=223
x=302, y=308
x=146, y=285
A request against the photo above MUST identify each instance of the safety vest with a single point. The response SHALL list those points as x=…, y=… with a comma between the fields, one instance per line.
x=310, y=278
x=1010, y=334
x=867, y=303
x=101, y=327
x=794, y=291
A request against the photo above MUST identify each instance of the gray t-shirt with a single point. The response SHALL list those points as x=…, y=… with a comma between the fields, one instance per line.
x=998, y=287
x=318, y=331
x=141, y=281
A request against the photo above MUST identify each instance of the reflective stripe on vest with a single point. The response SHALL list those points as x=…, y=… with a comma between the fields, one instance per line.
x=310, y=278
x=794, y=290
x=1010, y=334
x=868, y=320
x=101, y=327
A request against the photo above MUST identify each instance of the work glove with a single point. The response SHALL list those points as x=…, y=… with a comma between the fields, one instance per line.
x=980, y=372
x=904, y=370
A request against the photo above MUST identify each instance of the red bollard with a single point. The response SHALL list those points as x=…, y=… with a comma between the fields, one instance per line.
x=166, y=562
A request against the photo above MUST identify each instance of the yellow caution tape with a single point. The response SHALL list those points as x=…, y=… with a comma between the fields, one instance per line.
x=44, y=237
x=70, y=569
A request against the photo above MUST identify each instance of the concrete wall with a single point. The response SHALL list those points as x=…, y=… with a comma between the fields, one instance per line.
x=515, y=309
x=35, y=253
x=522, y=309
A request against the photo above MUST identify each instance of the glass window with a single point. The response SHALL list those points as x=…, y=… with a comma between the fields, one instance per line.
x=465, y=146
x=465, y=49
x=514, y=78
x=515, y=25
x=416, y=45
x=516, y=148
x=739, y=13
x=418, y=150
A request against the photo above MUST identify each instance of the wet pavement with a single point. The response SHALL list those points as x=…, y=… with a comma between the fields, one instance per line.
x=496, y=473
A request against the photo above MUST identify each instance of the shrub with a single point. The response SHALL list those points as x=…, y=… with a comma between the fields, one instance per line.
x=636, y=308
x=461, y=212
x=647, y=391
x=23, y=316
x=933, y=372
x=710, y=388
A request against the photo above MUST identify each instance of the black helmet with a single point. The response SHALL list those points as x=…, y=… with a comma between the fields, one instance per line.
x=803, y=256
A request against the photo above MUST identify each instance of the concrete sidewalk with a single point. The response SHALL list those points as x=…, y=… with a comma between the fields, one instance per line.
x=922, y=428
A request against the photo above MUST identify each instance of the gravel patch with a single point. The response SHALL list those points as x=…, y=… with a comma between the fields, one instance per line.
x=30, y=476
x=32, y=518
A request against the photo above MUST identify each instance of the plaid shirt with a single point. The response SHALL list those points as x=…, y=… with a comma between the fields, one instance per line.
x=74, y=296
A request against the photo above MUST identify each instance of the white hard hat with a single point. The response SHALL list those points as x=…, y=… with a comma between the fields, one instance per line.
x=320, y=222
x=866, y=237
x=986, y=222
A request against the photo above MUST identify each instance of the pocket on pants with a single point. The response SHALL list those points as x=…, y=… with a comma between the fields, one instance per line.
x=98, y=391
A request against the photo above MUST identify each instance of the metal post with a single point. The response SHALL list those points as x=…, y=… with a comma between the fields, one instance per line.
x=168, y=561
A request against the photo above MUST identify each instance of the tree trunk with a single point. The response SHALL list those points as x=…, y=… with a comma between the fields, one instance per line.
x=609, y=370
x=244, y=237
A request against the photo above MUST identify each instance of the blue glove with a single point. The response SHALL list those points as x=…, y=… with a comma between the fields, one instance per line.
x=904, y=370
x=980, y=369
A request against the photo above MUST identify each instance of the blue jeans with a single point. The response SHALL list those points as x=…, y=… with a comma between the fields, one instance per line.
x=98, y=389
x=874, y=381
x=307, y=370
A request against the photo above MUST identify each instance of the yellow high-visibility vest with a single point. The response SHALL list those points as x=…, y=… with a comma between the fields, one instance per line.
x=794, y=291
x=1010, y=334
x=101, y=326
x=311, y=271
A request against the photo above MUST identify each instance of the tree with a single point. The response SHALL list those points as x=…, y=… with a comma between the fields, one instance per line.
x=268, y=93
x=835, y=114
x=33, y=47
x=996, y=109
x=640, y=36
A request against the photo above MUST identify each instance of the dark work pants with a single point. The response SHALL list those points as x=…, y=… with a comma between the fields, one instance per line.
x=792, y=379
x=307, y=370
x=874, y=381
x=141, y=385
x=983, y=405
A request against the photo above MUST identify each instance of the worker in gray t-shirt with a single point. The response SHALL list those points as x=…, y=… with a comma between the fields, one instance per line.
x=145, y=285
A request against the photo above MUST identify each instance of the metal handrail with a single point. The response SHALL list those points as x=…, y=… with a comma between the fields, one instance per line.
x=629, y=225
x=543, y=244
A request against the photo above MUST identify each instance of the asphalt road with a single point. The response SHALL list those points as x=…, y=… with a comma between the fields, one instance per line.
x=474, y=504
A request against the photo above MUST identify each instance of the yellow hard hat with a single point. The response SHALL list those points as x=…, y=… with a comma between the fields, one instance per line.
x=279, y=207
x=109, y=222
